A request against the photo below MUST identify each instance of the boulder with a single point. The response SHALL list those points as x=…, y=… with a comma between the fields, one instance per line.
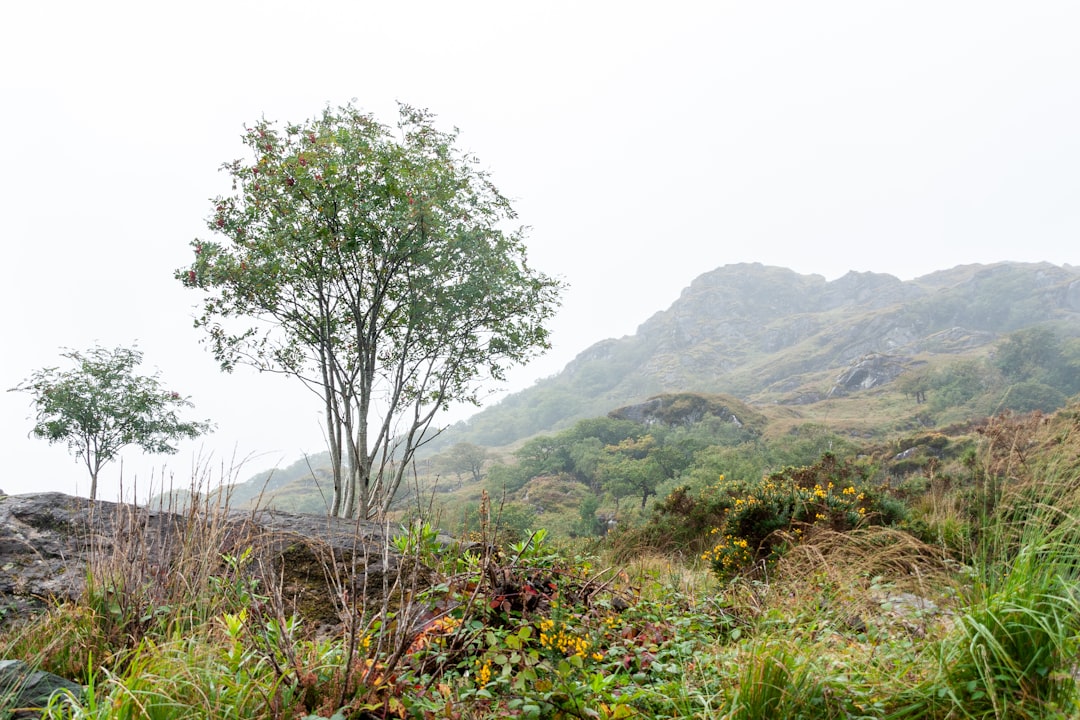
x=48, y=541
x=24, y=691
x=868, y=371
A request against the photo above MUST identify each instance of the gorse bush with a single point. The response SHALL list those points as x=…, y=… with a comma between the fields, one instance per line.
x=736, y=524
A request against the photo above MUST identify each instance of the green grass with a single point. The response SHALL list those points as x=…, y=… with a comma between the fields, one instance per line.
x=849, y=623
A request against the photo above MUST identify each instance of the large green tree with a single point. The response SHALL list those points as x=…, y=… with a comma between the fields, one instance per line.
x=635, y=467
x=100, y=406
x=377, y=265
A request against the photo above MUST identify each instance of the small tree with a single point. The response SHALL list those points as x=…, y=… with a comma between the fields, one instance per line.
x=374, y=265
x=633, y=467
x=101, y=406
x=466, y=458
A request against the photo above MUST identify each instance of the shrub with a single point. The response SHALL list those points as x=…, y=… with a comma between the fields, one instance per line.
x=757, y=521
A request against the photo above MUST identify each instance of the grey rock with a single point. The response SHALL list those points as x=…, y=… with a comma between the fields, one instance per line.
x=24, y=691
x=868, y=372
x=47, y=541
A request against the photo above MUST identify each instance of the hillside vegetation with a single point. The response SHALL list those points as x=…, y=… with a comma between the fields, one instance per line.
x=815, y=592
x=770, y=335
x=886, y=526
x=580, y=480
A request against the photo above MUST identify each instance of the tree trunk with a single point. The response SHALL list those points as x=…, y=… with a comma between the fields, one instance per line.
x=93, y=465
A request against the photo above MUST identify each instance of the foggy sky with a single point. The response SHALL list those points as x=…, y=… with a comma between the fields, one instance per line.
x=644, y=144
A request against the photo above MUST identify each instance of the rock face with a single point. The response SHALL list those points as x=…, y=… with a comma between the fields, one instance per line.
x=678, y=409
x=29, y=690
x=49, y=540
x=867, y=372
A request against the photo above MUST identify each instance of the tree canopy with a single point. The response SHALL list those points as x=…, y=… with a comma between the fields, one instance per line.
x=101, y=406
x=376, y=265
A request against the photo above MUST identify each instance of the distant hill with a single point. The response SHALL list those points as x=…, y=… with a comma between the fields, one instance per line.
x=771, y=338
x=769, y=334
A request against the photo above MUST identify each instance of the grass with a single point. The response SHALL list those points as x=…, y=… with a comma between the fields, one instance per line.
x=863, y=623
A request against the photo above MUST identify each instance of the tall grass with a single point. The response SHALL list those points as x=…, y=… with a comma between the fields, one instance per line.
x=198, y=615
x=185, y=614
x=1013, y=652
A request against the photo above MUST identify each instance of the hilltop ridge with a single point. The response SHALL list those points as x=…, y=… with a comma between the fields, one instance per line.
x=770, y=334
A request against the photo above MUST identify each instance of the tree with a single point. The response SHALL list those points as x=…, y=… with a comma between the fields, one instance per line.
x=545, y=455
x=101, y=406
x=1029, y=354
x=465, y=458
x=916, y=383
x=374, y=266
x=634, y=466
x=1029, y=395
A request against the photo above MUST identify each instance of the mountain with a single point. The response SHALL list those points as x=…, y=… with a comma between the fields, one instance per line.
x=771, y=335
x=791, y=346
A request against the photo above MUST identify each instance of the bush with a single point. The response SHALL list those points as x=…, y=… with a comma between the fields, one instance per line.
x=1030, y=396
x=760, y=520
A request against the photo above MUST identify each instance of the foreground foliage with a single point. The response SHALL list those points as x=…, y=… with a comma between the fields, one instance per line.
x=851, y=620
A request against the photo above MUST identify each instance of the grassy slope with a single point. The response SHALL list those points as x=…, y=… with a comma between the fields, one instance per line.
x=873, y=623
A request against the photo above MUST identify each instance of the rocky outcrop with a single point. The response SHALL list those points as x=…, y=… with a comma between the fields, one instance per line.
x=27, y=690
x=49, y=540
x=688, y=408
x=868, y=372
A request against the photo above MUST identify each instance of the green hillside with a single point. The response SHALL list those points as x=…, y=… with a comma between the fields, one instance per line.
x=864, y=358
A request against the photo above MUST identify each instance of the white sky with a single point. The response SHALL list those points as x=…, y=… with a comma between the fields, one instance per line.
x=645, y=144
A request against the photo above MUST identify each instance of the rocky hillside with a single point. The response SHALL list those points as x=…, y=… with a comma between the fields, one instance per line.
x=769, y=334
